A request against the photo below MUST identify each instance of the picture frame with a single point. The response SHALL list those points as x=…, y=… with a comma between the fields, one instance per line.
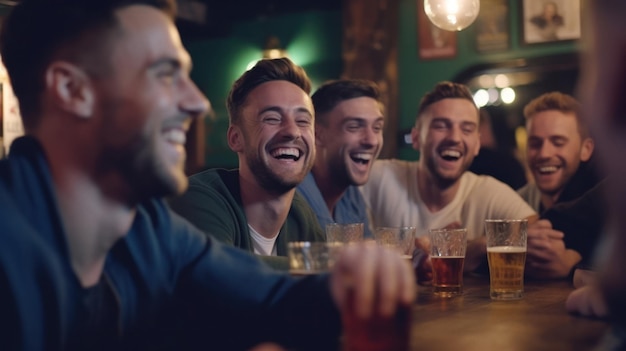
x=433, y=42
x=549, y=21
x=492, y=28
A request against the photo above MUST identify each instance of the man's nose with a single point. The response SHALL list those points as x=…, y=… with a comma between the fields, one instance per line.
x=193, y=101
x=290, y=128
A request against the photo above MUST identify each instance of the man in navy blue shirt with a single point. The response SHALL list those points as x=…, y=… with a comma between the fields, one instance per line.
x=90, y=256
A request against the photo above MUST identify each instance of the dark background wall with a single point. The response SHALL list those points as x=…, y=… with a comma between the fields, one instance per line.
x=313, y=40
x=312, y=36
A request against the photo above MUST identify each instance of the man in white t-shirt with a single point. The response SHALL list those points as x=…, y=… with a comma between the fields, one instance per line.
x=437, y=191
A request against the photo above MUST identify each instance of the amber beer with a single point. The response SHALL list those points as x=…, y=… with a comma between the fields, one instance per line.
x=506, y=272
x=447, y=275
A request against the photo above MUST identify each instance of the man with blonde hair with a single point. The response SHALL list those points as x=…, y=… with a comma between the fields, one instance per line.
x=557, y=152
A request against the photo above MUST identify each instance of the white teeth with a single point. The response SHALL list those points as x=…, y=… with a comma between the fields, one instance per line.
x=286, y=152
x=548, y=169
x=175, y=136
x=365, y=157
x=451, y=153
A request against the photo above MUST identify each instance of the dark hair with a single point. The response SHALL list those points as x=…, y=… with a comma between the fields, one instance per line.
x=331, y=93
x=446, y=90
x=36, y=32
x=560, y=102
x=264, y=71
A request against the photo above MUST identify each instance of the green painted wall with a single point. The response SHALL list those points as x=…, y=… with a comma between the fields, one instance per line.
x=312, y=40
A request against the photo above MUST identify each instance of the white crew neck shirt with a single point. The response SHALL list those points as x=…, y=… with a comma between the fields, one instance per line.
x=262, y=245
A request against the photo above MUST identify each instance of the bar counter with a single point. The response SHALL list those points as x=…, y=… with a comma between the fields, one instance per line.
x=474, y=322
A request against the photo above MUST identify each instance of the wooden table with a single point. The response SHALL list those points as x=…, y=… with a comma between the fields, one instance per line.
x=473, y=321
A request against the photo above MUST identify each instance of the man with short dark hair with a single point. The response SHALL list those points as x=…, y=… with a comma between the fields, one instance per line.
x=91, y=258
x=437, y=191
x=349, y=124
x=256, y=207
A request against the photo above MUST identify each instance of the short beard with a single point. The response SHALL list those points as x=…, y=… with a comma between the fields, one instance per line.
x=268, y=180
x=441, y=182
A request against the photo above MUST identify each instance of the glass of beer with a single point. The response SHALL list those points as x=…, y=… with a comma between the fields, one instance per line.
x=506, y=253
x=344, y=233
x=307, y=258
x=400, y=239
x=447, y=255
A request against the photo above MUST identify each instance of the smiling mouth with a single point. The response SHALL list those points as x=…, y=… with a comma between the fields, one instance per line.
x=361, y=158
x=175, y=136
x=547, y=169
x=286, y=153
x=450, y=155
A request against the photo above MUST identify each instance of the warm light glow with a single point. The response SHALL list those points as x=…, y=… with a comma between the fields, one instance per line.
x=481, y=97
x=452, y=15
x=251, y=64
x=507, y=95
x=502, y=81
x=486, y=81
x=273, y=49
x=274, y=53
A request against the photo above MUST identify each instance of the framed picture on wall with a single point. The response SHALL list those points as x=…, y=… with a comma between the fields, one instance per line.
x=433, y=42
x=545, y=21
x=493, y=26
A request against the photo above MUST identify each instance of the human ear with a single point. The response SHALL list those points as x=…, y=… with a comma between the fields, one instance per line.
x=235, y=138
x=71, y=88
x=320, y=132
x=587, y=149
x=415, y=138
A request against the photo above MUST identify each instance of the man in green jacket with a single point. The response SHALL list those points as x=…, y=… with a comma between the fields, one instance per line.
x=256, y=207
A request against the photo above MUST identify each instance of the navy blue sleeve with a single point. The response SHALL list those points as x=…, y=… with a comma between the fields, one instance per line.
x=228, y=297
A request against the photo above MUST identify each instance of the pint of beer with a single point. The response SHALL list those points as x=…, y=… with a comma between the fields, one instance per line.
x=506, y=253
x=447, y=255
x=506, y=271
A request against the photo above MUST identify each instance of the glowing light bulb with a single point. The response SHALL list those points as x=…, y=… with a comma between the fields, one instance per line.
x=452, y=14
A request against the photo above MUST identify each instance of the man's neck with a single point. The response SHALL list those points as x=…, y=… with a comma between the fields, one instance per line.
x=265, y=211
x=548, y=200
x=330, y=189
x=93, y=219
x=434, y=195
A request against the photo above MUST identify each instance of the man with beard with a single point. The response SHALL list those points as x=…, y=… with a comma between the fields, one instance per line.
x=91, y=258
x=437, y=191
x=256, y=207
x=348, y=137
x=557, y=151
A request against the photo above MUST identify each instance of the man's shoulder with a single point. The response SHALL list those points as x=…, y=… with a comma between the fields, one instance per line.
x=216, y=183
x=386, y=169
x=300, y=204
x=308, y=185
x=527, y=190
x=214, y=177
x=485, y=184
x=394, y=164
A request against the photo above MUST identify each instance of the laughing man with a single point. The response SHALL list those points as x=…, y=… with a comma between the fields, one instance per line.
x=437, y=191
x=558, y=151
x=256, y=207
x=348, y=137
